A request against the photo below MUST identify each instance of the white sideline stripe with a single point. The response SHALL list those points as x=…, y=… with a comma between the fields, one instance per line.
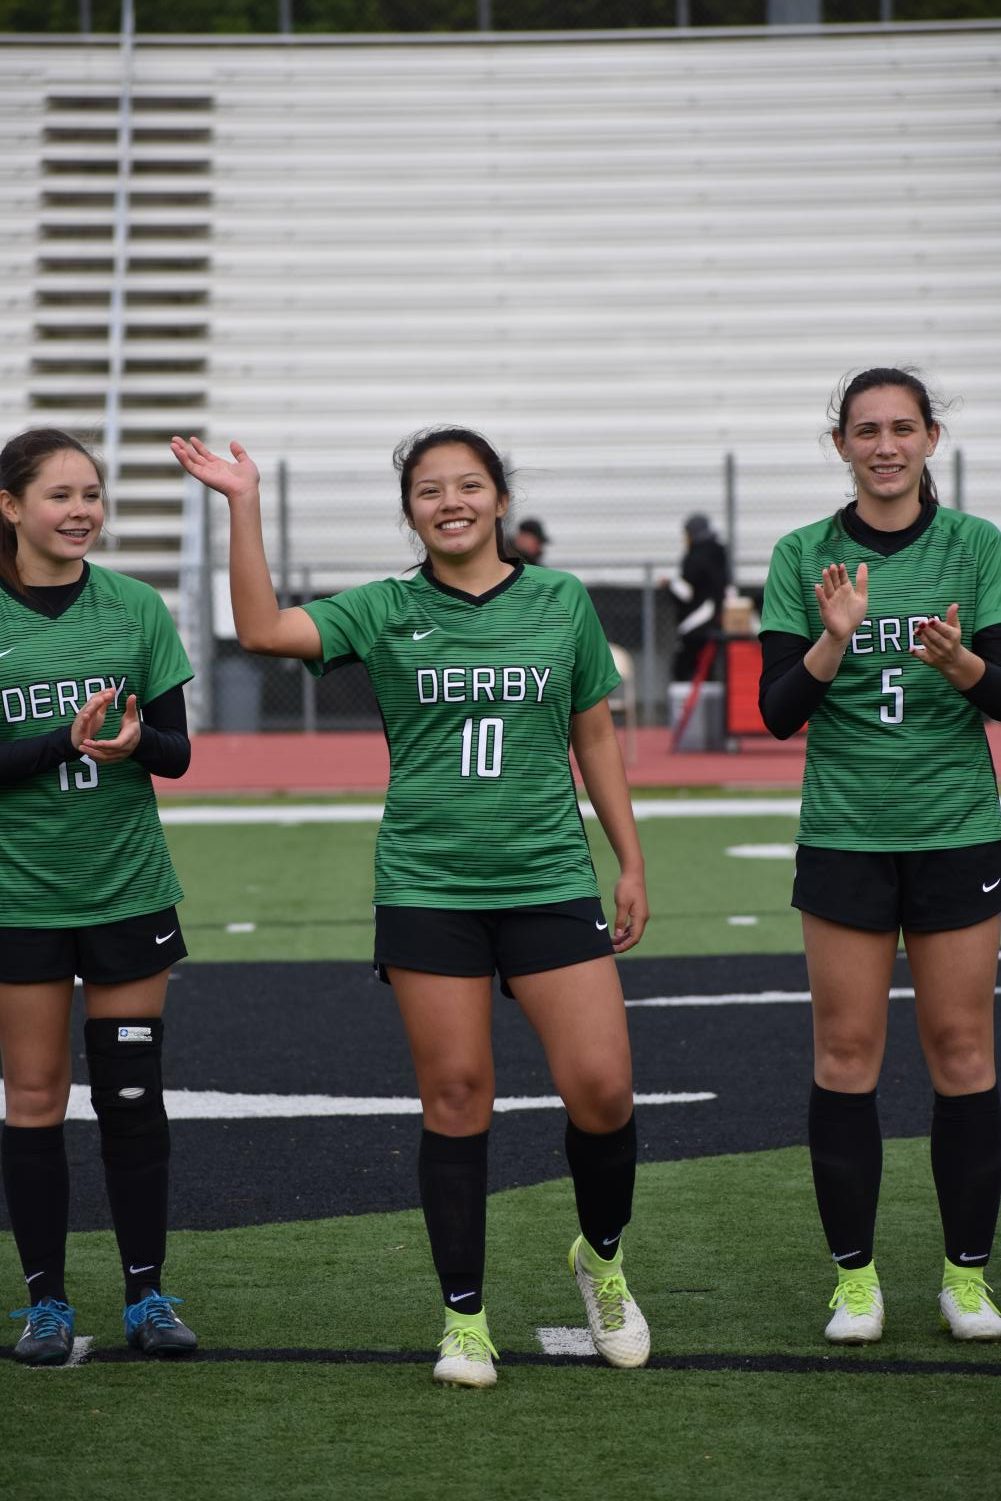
x=762, y=851
x=709, y=807
x=299, y=813
x=77, y=1356
x=566, y=1341
x=758, y=998
x=214, y=1104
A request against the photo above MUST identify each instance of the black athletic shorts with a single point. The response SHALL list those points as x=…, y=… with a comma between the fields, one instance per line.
x=511, y=940
x=921, y=891
x=110, y=953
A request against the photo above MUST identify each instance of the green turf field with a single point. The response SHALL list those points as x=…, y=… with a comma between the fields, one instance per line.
x=718, y=1270
x=742, y=1400
x=307, y=889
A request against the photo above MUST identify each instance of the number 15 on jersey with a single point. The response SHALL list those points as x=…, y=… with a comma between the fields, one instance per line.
x=84, y=775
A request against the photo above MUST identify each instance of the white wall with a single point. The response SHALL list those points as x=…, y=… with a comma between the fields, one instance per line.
x=618, y=258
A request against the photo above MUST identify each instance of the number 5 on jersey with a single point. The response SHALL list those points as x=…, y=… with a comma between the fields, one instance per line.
x=893, y=712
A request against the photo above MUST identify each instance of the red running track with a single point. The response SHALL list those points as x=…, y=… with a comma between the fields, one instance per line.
x=359, y=762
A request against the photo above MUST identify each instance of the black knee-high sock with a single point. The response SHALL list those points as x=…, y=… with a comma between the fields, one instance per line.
x=603, y=1166
x=846, y=1150
x=452, y=1173
x=37, y=1185
x=136, y=1176
x=966, y=1165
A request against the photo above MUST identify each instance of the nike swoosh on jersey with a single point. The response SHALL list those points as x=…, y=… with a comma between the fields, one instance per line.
x=166, y=936
x=993, y=884
x=419, y=635
x=7, y=652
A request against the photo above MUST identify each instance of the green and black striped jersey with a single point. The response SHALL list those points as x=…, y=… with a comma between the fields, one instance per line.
x=476, y=697
x=81, y=843
x=896, y=758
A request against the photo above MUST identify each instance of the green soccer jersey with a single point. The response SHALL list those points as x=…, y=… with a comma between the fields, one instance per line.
x=896, y=758
x=82, y=844
x=476, y=697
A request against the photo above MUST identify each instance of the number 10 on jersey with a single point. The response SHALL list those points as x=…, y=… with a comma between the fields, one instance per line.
x=488, y=735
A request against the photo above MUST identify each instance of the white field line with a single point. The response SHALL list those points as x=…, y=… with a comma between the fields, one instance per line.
x=566, y=1341
x=299, y=813
x=214, y=1104
x=79, y=1355
x=757, y=998
x=760, y=998
x=762, y=851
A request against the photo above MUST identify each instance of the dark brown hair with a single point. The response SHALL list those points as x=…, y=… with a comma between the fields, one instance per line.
x=20, y=460
x=407, y=454
x=871, y=380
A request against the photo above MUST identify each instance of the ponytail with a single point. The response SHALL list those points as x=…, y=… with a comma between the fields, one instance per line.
x=8, y=557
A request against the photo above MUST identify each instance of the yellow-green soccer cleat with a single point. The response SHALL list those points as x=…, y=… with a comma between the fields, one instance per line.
x=466, y=1351
x=966, y=1310
x=617, y=1327
x=858, y=1309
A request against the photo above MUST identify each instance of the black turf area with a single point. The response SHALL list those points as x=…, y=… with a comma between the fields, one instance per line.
x=332, y=1028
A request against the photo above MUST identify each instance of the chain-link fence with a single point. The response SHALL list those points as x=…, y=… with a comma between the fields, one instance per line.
x=621, y=532
x=618, y=532
x=234, y=691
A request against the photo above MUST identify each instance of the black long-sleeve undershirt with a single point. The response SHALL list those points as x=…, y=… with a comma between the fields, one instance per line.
x=164, y=749
x=788, y=693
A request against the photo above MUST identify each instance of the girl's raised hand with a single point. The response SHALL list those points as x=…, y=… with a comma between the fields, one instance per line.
x=842, y=604
x=238, y=480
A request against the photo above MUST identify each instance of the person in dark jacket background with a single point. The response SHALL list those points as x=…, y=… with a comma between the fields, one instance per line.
x=698, y=593
x=530, y=541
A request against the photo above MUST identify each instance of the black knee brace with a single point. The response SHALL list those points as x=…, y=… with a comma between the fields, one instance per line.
x=126, y=1085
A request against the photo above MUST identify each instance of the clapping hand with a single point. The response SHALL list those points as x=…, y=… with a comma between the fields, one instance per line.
x=842, y=604
x=939, y=641
x=89, y=722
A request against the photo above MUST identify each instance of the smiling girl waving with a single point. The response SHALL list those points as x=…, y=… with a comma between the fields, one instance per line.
x=486, y=672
